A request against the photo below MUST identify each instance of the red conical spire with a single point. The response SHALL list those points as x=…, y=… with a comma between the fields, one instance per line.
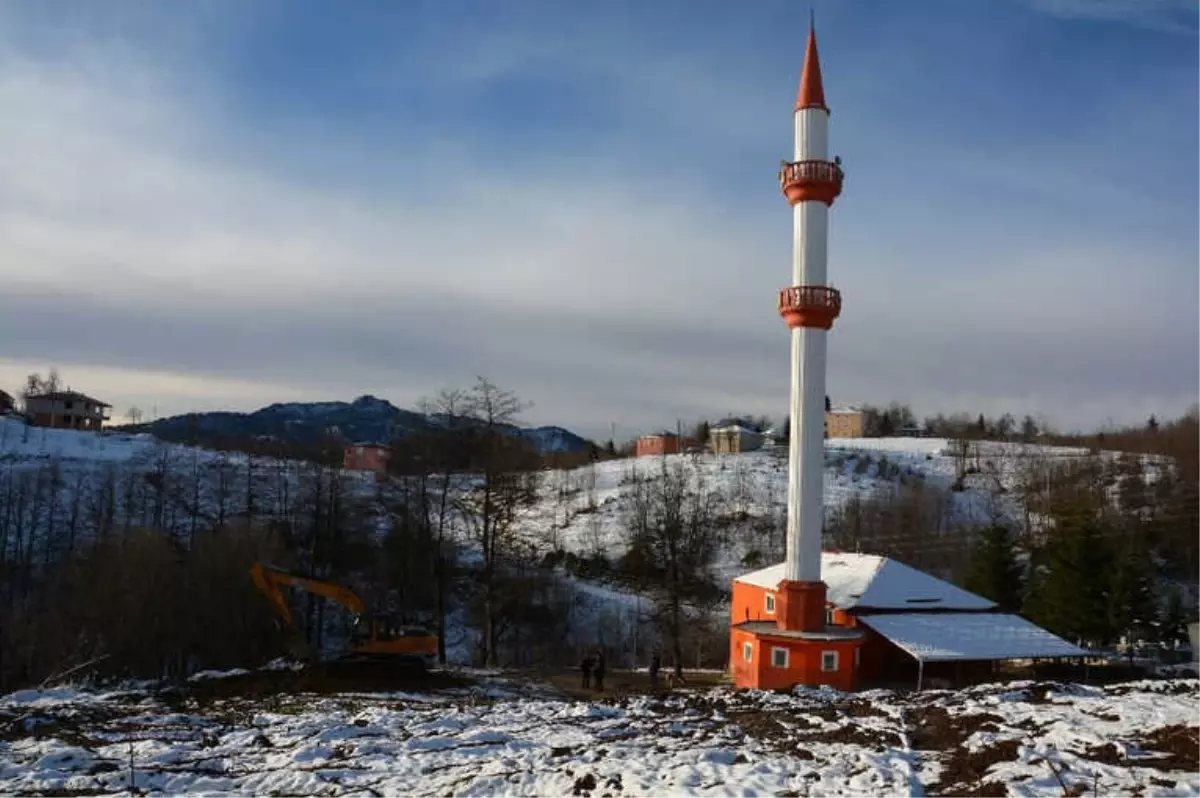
x=812, y=93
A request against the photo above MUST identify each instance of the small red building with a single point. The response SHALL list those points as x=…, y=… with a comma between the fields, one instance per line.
x=367, y=457
x=659, y=443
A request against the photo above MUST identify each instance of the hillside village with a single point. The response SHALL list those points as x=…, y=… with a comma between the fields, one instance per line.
x=763, y=585
x=578, y=558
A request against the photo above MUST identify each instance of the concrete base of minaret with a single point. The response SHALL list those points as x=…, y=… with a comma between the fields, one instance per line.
x=792, y=643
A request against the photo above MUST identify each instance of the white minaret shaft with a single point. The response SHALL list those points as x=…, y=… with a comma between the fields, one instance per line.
x=811, y=183
x=806, y=453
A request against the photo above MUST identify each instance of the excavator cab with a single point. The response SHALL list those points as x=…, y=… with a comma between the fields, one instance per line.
x=372, y=637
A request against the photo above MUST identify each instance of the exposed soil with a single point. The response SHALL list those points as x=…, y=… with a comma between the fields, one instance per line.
x=1108, y=754
x=329, y=678
x=854, y=735
x=858, y=708
x=1180, y=743
x=936, y=729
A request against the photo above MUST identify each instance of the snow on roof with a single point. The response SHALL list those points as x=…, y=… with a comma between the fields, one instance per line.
x=936, y=637
x=872, y=581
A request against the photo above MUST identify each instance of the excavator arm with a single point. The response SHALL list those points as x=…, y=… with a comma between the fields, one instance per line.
x=379, y=637
x=272, y=580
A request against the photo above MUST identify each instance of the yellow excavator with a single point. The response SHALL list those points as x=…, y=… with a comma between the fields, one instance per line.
x=376, y=638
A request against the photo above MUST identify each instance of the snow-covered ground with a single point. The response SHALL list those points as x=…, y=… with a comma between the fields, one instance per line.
x=581, y=510
x=495, y=738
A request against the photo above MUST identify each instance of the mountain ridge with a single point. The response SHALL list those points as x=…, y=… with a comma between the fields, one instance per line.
x=366, y=418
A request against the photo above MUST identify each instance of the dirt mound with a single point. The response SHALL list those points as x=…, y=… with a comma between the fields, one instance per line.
x=1180, y=743
x=963, y=770
x=936, y=729
x=334, y=677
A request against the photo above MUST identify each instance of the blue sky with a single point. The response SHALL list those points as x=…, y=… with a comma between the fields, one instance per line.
x=227, y=204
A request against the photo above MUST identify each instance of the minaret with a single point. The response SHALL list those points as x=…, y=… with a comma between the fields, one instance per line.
x=811, y=183
x=778, y=635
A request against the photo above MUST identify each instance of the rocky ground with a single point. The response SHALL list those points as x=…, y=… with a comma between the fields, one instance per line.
x=479, y=733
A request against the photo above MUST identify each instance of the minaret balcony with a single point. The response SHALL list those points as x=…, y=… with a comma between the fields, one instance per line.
x=811, y=306
x=811, y=180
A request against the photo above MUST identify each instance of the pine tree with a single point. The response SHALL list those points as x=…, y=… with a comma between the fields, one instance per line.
x=1131, y=602
x=886, y=424
x=993, y=571
x=1069, y=592
x=1172, y=629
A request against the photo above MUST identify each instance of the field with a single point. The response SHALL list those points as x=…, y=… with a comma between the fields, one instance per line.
x=495, y=734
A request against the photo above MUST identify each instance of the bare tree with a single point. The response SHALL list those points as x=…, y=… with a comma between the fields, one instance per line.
x=673, y=536
x=489, y=508
x=135, y=415
x=447, y=457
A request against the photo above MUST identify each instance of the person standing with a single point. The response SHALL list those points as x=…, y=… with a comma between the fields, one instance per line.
x=655, y=664
x=585, y=668
x=598, y=670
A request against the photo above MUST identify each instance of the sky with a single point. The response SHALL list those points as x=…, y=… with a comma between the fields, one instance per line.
x=220, y=205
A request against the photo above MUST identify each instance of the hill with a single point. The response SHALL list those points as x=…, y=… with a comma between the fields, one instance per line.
x=567, y=544
x=367, y=418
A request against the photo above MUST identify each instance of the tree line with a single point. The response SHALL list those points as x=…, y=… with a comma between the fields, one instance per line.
x=92, y=550
x=1095, y=547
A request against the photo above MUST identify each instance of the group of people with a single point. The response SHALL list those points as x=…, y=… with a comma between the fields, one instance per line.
x=592, y=667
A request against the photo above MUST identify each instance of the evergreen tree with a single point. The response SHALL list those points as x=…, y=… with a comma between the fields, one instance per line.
x=1172, y=629
x=1029, y=429
x=1069, y=592
x=1152, y=424
x=1131, y=602
x=993, y=571
x=610, y=448
x=887, y=425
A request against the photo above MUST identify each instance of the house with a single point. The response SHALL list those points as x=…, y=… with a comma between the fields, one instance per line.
x=659, y=443
x=733, y=435
x=844, y=422
x=66, y=410
x=367, y=456
x=912, y=626
x=6, y=403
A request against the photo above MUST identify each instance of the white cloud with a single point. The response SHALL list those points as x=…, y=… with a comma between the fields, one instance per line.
x=1175, y=16
x=183, y=268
